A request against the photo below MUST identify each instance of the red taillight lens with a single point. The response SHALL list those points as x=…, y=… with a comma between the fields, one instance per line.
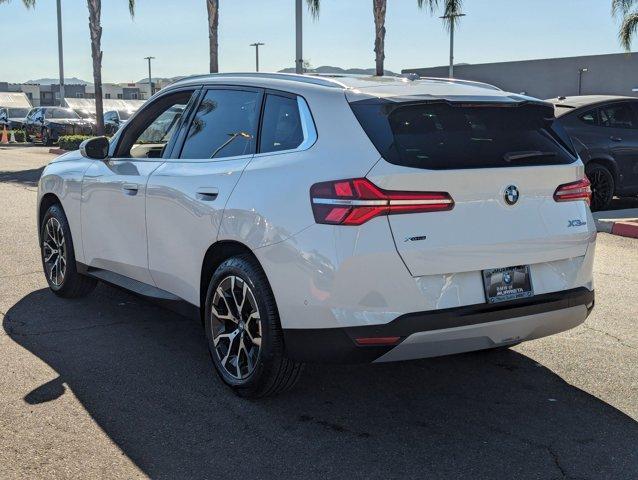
x=571, y=192
x=355, y=201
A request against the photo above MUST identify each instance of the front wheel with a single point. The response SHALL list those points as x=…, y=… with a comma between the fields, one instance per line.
x=243, y=331
x=58, y=257
x=602, y=186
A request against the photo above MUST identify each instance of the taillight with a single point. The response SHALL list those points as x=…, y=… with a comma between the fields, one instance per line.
x=571, y=192
x=355, y=201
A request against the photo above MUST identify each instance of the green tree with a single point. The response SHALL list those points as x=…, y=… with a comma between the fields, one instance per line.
x=624, y=9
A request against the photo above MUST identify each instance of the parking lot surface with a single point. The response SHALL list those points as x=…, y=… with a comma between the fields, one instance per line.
x=112, y=386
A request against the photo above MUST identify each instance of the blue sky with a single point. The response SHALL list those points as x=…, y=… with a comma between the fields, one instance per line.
x=176, y=33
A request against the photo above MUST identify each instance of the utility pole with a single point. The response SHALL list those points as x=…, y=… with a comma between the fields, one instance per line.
x=580, y=79
x=150, y=77
x=452, y=19
x=257, y=45
x=60, y=53
x=299, y=38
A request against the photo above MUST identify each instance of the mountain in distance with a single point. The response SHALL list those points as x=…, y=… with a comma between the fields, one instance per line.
x=55, y=81
x=339, y=70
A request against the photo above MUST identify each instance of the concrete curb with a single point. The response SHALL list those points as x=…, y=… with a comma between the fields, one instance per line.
x=626, y=229
x=618, y=222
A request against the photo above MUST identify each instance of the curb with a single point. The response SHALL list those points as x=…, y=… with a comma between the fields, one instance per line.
x=57, y=151
x=626, y=228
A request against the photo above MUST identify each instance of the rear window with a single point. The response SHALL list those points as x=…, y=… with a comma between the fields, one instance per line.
x=440, y=135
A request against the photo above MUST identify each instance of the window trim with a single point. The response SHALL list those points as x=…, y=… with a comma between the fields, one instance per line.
x=308, y=126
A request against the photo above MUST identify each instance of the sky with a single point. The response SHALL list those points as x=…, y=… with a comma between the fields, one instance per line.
x=175, y=32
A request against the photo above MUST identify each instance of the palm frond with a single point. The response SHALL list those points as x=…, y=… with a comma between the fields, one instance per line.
x=313, y=7
x=26, y=3
x=131, y=8
x=451, y=9
x=620, y=8
x=431, y=5
x=628, y=30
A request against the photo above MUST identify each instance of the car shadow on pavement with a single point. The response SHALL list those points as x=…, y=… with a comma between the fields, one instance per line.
x=144, y=375
x=28, y=178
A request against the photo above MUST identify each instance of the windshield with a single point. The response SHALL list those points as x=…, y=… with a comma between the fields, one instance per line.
x=61, y=113
x=442, y=135
x=18, y=112
x=85, y=114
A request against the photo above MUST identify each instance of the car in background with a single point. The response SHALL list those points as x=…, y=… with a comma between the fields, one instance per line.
x=47, y=124
x=12, y=118
x=114, y=119
x=604, y=130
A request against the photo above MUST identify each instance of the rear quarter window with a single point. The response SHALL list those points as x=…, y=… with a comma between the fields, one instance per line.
x=441, y=135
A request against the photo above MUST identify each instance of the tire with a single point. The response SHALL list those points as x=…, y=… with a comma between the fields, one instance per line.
x=602, y=186
x=46, y=138
x=56, y=247
x=249, y=354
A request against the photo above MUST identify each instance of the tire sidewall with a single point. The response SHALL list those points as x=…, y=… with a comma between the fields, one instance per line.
x=55, y=211
x=245, y=270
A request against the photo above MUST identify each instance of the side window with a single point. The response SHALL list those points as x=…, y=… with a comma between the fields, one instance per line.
x=154, y=127
x=618, y=115
x=281, y=126
x=109, y=117
x=589, y=118
x=225, y=125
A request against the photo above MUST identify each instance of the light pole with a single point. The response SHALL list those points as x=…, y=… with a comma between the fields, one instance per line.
x=257, y=45
x=452, y=18
x=580, y=79
x=150, y=77
x=299, y=38
x=60, y=53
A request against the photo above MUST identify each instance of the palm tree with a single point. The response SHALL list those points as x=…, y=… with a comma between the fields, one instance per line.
x=95, y=29
x=624, y=10
x=213, y=24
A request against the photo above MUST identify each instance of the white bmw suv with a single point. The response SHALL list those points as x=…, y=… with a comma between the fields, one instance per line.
x=345, y=219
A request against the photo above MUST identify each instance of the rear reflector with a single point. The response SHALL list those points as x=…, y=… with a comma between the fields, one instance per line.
x=571, y=192
x=355, y=201
x=369, y=341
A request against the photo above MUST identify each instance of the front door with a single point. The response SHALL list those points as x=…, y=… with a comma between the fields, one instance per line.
x=114, y=190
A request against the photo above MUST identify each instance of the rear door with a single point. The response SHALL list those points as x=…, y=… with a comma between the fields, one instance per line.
x=619, y=120
x=186, y=196
x=501, y=164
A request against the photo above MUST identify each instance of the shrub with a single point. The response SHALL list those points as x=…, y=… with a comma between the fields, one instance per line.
x=71, y=142
x=20, y=136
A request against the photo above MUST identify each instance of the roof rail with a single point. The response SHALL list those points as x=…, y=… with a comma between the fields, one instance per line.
x=293, y=77
x=462, y=82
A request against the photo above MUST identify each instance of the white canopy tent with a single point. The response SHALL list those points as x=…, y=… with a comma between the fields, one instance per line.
x=14, y=100
x=88, y=104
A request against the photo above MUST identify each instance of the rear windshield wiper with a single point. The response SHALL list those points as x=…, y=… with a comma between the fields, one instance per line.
x=511, y=156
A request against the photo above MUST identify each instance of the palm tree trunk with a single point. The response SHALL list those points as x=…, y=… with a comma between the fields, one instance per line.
x=379, y=9
x=95, y=11
x=213, y=23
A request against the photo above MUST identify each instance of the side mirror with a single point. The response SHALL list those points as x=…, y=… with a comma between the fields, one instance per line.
x=96, y=148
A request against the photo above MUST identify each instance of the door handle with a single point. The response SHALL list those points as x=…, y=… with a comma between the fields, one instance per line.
x=615, y=139
x=130, y=188
x=207, y=194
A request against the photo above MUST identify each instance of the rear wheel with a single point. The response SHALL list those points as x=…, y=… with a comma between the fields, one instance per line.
x=58, y=257
x=243, y=331
x=602, y=186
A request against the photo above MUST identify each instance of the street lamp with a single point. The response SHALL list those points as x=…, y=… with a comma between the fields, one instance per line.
x=150, y=77
x=60, y=53
x=580, y=79
x=257, y=45
x=452, y=18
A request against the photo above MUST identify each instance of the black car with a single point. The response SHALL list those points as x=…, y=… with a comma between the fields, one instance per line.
x=114, y=119
x=47, y=124
x=12, y=118
x=604, y=130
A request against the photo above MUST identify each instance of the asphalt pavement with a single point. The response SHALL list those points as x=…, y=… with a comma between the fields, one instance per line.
x=112, y=386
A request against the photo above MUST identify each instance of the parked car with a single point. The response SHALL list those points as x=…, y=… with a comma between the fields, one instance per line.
x=312, y=219
x=47, y=124
x=605, y=132
x=12, y=118
x=114, y=119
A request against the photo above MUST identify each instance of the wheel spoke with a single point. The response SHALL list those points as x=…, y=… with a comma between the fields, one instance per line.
x=229, y=316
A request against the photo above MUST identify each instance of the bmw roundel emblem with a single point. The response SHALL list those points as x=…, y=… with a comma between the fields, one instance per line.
x=507, y=278
x=511, y=195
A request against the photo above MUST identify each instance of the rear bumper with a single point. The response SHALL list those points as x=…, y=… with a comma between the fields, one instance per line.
x=444, y=332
